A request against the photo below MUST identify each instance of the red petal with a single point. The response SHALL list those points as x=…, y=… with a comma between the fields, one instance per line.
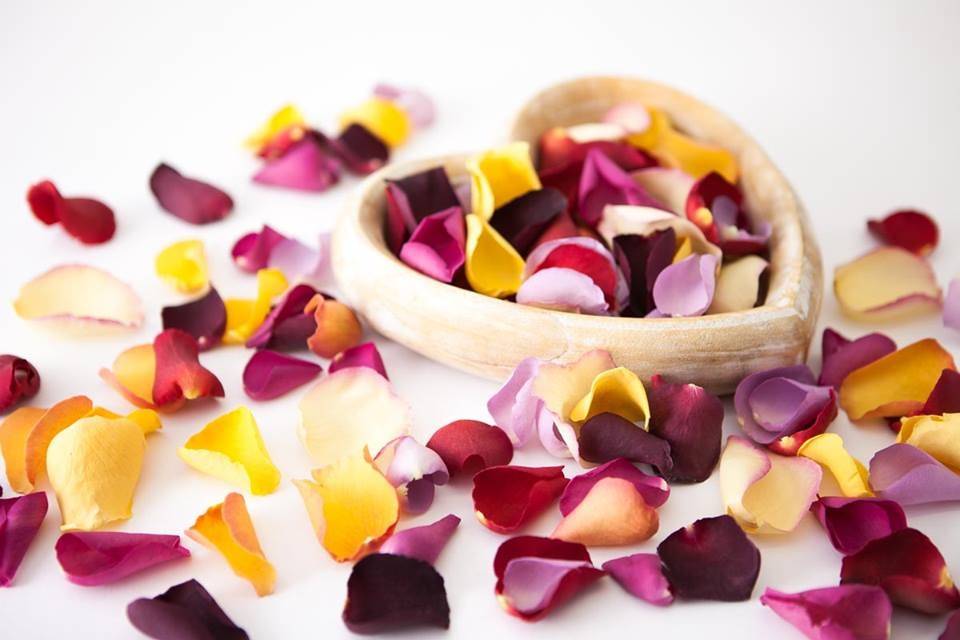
x=691, y=421
x=467, y=446
x=588, y=262
x=945, y=397
x=179, y=372
x=703, y=194
x=45, y=202
x=912, y=230
x=88, y=220
x=189, y=199
x=19, y=380
x=506, y=497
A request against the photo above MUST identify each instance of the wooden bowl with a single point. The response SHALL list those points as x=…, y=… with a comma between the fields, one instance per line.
x=488, y=337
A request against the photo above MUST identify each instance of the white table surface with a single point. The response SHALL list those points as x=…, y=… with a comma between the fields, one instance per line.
x=858, y=102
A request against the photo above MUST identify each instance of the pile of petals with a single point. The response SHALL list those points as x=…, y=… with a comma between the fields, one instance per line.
x=627, y=217
x=299, y=156
x=89, y=221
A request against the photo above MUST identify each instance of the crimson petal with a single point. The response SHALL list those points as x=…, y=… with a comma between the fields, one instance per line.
x=655, y=491
x=20, y=520
x=641, y=575
x=185, y=611
x=287, y=326
x=270, y=375
x=842, y=356
x=853, y=611
x=362, y=355
x=361, y=151
x=92, y=558
x=912, y=230
x=722, y=199
x=468, y=446
x=179, y=373
x=607, y=436
x=306, y=166
x=189, y=199
x=523, y=220
x=19, y=380
x=641, y=259
x=506, y=497
x=89, y=221
x=585, y=255
x=45, y=202
x=252, y=251
x=204, y=318
x=691, y=420
x=853, y=522
x=945, y=397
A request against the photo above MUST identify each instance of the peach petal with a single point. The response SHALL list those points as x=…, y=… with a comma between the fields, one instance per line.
x=184, y=265
x=612, y=513
x=244, y=317
x=939, y=436
x=133, y=375
x=500, y=175
x=621, y=220
x=886, y=284
x=493, y=267
x=667, y=185
x=827, y=450
x=338, y=328
x=738, y=285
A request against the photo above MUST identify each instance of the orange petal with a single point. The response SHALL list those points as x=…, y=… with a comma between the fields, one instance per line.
x=612, y=513
x=227, y=528
x=132, y=375
x=886, y=284
x=337, y=330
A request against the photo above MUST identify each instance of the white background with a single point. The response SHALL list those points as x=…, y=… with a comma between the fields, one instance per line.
x=857, y=102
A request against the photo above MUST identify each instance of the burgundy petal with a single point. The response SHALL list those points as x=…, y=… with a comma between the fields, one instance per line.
x=411, y=199
x=852, y=611
x=641, y=259
x=603, y=182
x=387, y=592
x=691, y=421
x=952, y=630
x=92, y=558
x=360, y=150
x=424, y=542
x=909, y=567
x=655, y=491
x=945, y=397
x=641, y=575
x=19, y=380
x=437, y=246
x=724, y=201
x=607, y=436
x=270, y=375
x=179, y=373
x=89, y=221
x=252, y=251
x=362, y=355
x=189, y=199
x=185, y=611
x=912, y=230
x=842, y=356
x=287, y=326
x=853, y=522
x=523, y=220
x=468, y=446
x=711, y=559
x=305, y=166
x=20, y=520
x=507, y=497
x=908, y=475
x=204, y=318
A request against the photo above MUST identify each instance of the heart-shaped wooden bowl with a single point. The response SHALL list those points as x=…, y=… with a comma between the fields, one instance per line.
x=489, y=337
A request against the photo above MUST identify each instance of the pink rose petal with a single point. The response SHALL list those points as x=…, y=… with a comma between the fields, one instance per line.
x=588, y=256
x=951, y=305
x=300, y=263
x=417, y=104
x=20, y=520
x=252, y=251
x=413, y=198
x=641, y=575
x=686, y=288
x=305, y=166
x=564, y=290
x=93, y=558
x=436, y=246
x=414, y=470
x=514, y=408
x=908, y=475
x=654, y=490
x=842, y=356
x=270, y=374
x=362, y=355
x=603, y=182
x=849, y=611
x=424, y=542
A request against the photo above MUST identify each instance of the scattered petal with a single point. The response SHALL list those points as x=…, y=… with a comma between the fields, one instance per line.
x=827, y=449
x=936, y=435
x=286, y=117
x=842, y=356
x=653, y=490
x=584, y=255
x=523, y=221
x=289, y=324
x=424, y=542
x=493, y=267
x=413, y=198
x=184, y=265
x=641, y=575
x=563, y=290
x=269, y=374
x=514, y=407
x=912, y=230
x=89, y=221
x=951, y=305
x=300, y=263
x=95, y=558
x=189, y=199
x=418, y=105
x=612, y=513
x=414, y=470
x=19, y=380
x=133, y=374
x=245, y=316
x=851, y=523
x=305, y=166
x=690, y=420
x=617, y=391
x=886, y=284
x=337, y=326
x=903, y=473
x=952, y=630
x=362, y=355
x=603, y=183
x=388, y=592
x=607, y=436
x=436, y=247
x=183, y=612
x=469, y=446
x=253, y=250
x=360, y=150
x=738, y=286
x=686, y=288
x=641, y=259
x=179, y=374
x=204, y=318
x=20, y=520
x=383, y=118
x=945, y=397
x=498, y=176
x=858, y=612
x=506, y=497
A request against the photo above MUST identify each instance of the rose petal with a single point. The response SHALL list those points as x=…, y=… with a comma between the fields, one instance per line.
x=183, y=612
x=690, y=420
x=362, y=355
x=348, y=410
x=886, y=284
x=360, y=150
x=498, y=176
x=851, y=476
x=945, y=397
x=288, y=325
x=952, y=630
x=909, y=567
x=189, y=199
x=89, y=221
x=19, y=380
x=523, y=220
x=94, y=466
x=686, y=288
x=413, y=198
x=269, y=374
x=469, y=446
x=204, y=318
x=184, y=265
x=903, y=473
x=711, y=559
x=300, y=263
x=351, y=505
x=506, y=497
x=938, y=436
x=20, y=520
x=617, y=391
x=666, y=185
x=912, y=230
x=603, y=183
x=493, y=267
x=654, y=491
x=424, y=542
x=253, y=250
x=847, y=611
x=851, y=523
x=245, y=316
x=305, y=166
x=564, y=290
x=418, y=105
x=632, y=116
x=337, y=327
x=951, y=305
x=897, y=384
x=846, y=356
x=179, y=373
x=514, y=407
x=642, y=259
x=414, y=470
x=607, y=436
x=284, y=118
x=620, y=220
x=78, y=300
x=738, y=285
x=716, y=206
x=436, y=247
x=766, y=492
x=95, y=558
x=641, y=575
x=612, y=513
x=132, y=375
x=383, y=118
x=585, y=255
x=388, y=592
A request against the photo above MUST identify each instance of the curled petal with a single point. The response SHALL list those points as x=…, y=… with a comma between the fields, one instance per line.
x=424, y=542
x=641, y=575
x=77, y=300
x=204, y=318
x=766, y=492
x=847, y=611
x=500, y=175
x=493, y=267
x=738, y=285
x=909, y=567
x=362, y=355
x=938, y=436
x=523, y=220
x=132, y=375
x=269, y=374
x=506, y=497
x=653, y=490
x=951, y=305
x=281, y=120
x=20, y=520
x=245, y=316
x=413, y=198
x=666, y=185
x=897, y=384
x=715, y=204
x=690, y=420
x=468, y=446
x=94, y=466
x=361, y=151
x=306, y=166
x=607, y=436
x=623, y=220
x=94, y=558
x=301, y=263
x=618, y=391
x=348, y=410
x=351, y=505
x=383, y=118
x=603, y=183
x=89, y=221
x=711, y=559
x=563, y=289
x=183, y=612
x=514, y=407
x=686, y=288
x=886, y=284
x=418, y=105
x=851, y=523
x=179, y=374
x=436, y=247
x=184, y=265
x=337, y=327
x=912, y=230
x=288, y=325
x=642, y=259
x=387, y=592
x=676, y=149
x=414, y=470
x=189, y=199
x=585, y=255
x=842, y=357
x=903, y=473
x=613, y=512
x=253, y=250
x=851, y=476
x=19, y=380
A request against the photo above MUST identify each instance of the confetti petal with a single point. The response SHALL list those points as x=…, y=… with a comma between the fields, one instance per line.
x=253, y=250
x=94, y=466
x=418, y=105
x=500, y=175
x=903, y=473
x=413, y=198
x=584, y=255
x=20, y=520
x=184, y=612
x=362, y=355
x=690, y=420
x=204, y=318
x=360, y=150
x=414, y=470
x=912, y=230
x=897, y=384
x=78, y=300
x=269, y=374
x=306, y=165
x=244, y=317
x=228, y=529
x=89, y=221
x=189, y=199
x=424, y=542
x=179, y=374
x=938, y=436
x=766, y=492
x=95, y=558
x=493, y=267
x=686, y=288
x=436, y=247
x=612, y=513
x=641, y=575
x=653, y=490
x=507, y=497
x=842, y=356
x=886, y=284
x=909, y=567
x=19, y=380
x=739, y=285
x=711, y=559
x=337, y=327
x=388, y=592
x=563, y=290
x=469, y=446
x=288, y=325
x=851, y=523
x=348, y=410
x=617, y=391
x=641, y=259
x=607, y=436
x=851, y=476
x=351, y=505
x=847, y=611
x=675, y=149
x=523, y=221
x=383, y=118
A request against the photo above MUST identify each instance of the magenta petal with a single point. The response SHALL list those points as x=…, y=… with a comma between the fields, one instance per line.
x=853, y=522
x=417, y=105
x=654, y=490
x=204, y=318
x=252, y=251
x=424, y=542
x=185, y=611
x=642, y=259
x=270, y=374
x=514, y=408
x=300, y=263
x=686, y=288
x=436, y=247
x=603, y=182
x=690, y=420
x=607, y=436
x=908, y=475
x=641, y=575
x=305, y=166
x=841, y=356
x=290, y=310
x=19, y=380
x=191, y=200
x=563, y=289
x=20, y=520
x=92, y=558
x=523, y=220
x=945, y=397
x=413, y=198
x=849, y=611
x=362, y=355
x=361, y=151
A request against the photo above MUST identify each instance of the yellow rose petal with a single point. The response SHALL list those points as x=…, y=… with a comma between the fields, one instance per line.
x=382, y=118
x=683, y=152
x=244, y=317
x=889, y=283
x=827, y=449
x=184, y=265
x=147, y=419
x=738, y=285
x=617, y=391
x=284, y=118
x=498, y=176
x=230, y=448
x=493, y=266
x=937, y=435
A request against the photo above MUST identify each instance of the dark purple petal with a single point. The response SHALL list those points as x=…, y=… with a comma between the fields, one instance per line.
x=189, y=199
x=270, y=375
x=185, y=611
x=287, y=326
x=411, y=199
x=908, y=475
x=305, y=166
x=690, y=420
x=424, y=542
x=19, y=380
x=607, y=436
x=603, y=182
x=853, y=522
x=437, y=246
x=204, y=318
x=387, y=592
x=711, y=559
x=641, y=575
x=641, y=259
x=851, y=611
x=92, y=558
x=20, y=520
x=362, y=355
x=523, y=220
x=654, y=490
x=360, y=150
x=252, y=251
x=841, y=356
